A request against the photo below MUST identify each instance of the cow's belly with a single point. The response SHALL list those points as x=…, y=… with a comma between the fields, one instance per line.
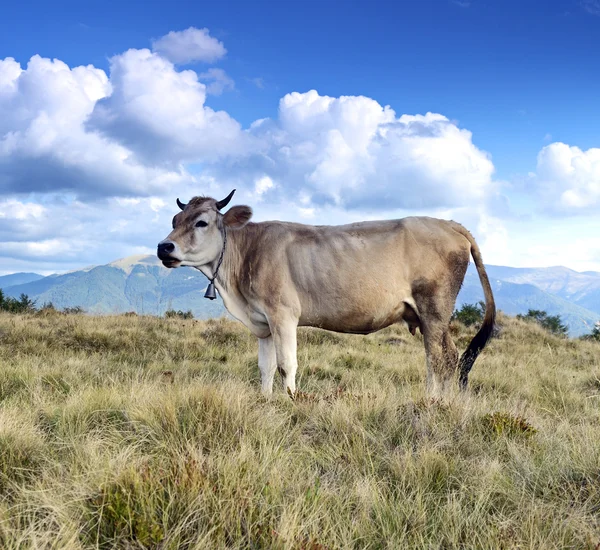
x=356, y=320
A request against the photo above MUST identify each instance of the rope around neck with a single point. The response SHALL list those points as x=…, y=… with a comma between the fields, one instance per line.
x=216, y=273
x=210, y=289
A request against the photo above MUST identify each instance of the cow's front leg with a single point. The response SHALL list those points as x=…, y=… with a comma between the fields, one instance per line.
x=284, y=337
x=267, y=363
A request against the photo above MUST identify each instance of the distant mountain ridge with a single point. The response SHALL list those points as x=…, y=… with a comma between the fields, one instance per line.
x=141, y=284
x=18, y=279
x=582, y=289
x=137, y=283
x=514, y=298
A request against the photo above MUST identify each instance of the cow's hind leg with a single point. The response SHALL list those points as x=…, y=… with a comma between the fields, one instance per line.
x=435, y=311
x=267, y=363
x=442, y=359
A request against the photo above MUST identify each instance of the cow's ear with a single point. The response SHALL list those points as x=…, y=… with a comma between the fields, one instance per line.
x=237, y=216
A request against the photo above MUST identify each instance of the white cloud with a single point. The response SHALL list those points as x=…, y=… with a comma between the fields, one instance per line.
x=262, y=185
x=156, y=204
x=10, y=71
x=217, y=81
x=44, y=146
x=12, y=209
x=60, y=235
x=306, y=212
x=494, y=240
x=190, y=45
x=568, y=179
x=159, y=113
x=353, y=152
x=90, y=165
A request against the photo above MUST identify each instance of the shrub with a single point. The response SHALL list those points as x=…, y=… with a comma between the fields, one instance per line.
x=24, y=304
x=552, y=323
x=181, y=314
x=13, y=305
x=470, y=314
x=76, y=310
x=595, y=334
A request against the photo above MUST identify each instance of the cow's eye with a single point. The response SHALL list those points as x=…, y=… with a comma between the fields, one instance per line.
x=201, y=223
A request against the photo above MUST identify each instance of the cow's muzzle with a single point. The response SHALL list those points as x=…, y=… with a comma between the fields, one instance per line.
x=164, y=251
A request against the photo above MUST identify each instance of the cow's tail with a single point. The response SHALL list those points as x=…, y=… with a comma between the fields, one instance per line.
x=485, y=332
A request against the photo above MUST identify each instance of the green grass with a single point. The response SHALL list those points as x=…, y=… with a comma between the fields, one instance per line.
x=138, y=432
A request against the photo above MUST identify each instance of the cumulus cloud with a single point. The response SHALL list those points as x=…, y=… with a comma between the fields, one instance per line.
x=159, y=113
x=262, y=186
x=217, y=81
x=568, y=179
x=351, y=151
x=44, y=146
x=90, y=163
x=188, y=46
x=60, y=234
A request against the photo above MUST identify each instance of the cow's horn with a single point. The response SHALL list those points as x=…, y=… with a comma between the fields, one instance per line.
x=181, y=205
x=225, y=201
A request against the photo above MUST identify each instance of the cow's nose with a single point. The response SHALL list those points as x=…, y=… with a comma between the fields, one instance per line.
x=164, y=249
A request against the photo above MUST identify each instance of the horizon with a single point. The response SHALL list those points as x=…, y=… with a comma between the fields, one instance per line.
x=482, y=112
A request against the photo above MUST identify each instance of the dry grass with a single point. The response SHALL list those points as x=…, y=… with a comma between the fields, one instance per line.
x=138, y=432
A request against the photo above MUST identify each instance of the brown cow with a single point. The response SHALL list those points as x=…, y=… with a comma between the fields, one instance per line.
x=358, y=278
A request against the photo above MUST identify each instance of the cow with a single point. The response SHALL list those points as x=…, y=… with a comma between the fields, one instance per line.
x=359, y=278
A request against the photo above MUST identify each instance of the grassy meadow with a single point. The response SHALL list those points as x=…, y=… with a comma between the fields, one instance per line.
x=138, y=432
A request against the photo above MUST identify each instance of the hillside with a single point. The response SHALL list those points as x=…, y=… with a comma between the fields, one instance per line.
x=137, y=283
x=513, y=298
x=145, y=432
x=582, y=289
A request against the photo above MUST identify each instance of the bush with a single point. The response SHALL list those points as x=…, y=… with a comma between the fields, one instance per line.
x=181, y=314
x=13, y=305
x=76, y=310
x=552, y=323
x=24, y=304
x=595, y=334
x=470, y=314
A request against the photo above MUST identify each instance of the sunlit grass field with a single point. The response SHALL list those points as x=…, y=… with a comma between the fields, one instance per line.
x=139, y=432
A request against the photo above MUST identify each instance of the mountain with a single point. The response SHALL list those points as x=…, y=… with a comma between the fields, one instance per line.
x=18, y=279
x=142, y=284
x=580, y=288
x=513, y=298
x=136, y=283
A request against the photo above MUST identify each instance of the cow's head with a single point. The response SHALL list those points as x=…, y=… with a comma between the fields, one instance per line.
x=197, y=236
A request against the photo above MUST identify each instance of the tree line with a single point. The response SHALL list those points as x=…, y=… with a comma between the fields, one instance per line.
x=24, y=304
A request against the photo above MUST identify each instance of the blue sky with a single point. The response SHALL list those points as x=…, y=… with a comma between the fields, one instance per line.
x=512, y=72
x=519, y=76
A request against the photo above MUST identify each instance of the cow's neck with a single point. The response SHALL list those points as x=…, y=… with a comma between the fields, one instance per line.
x=235, y=250
x=226, y=280
x=209, y=270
